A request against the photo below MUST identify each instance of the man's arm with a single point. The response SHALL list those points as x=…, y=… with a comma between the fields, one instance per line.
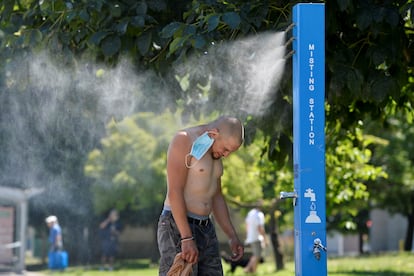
x=263, y=233
x=222, y=216
x=262, y=229
x=176, y=180
x=104, y=223
x=57, y=238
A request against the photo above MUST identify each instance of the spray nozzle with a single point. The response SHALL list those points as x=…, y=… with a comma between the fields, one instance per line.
x=290, y=27
x=290, y=54
x=289, y=41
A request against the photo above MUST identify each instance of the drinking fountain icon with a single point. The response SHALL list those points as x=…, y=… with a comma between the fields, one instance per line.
x=313, y=217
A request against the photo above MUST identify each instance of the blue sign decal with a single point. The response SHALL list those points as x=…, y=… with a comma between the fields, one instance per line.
x=309, y=139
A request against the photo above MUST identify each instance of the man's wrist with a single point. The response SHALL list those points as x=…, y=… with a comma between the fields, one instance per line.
x=233, y=239
x=187, y=239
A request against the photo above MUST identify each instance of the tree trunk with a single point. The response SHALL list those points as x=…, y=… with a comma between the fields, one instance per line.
x=361, y=242
x=275, y=239
x=410, y=228
x=276, y=250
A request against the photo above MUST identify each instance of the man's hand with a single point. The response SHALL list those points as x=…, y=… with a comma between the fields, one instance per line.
x=236, y=248
x=189, y=251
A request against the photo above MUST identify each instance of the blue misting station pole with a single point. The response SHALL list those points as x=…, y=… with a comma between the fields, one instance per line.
x=309, y=139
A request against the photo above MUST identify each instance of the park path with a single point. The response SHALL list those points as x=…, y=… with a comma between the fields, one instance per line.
x=25, y=273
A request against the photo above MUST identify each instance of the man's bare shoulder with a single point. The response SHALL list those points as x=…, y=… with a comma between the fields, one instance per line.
x=181, y=136
x=180, y=142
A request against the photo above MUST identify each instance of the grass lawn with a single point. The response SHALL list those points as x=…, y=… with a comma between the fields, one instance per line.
x=401, y=264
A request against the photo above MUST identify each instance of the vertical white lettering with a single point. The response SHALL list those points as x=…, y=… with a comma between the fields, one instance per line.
x=311, y=87
x=311, y=101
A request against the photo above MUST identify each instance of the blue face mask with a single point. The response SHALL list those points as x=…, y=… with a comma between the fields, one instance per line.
x=200, y=146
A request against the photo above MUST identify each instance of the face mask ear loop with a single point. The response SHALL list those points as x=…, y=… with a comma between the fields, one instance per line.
x=186, y=163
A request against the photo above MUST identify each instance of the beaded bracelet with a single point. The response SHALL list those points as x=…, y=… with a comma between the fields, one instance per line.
x=187, y=239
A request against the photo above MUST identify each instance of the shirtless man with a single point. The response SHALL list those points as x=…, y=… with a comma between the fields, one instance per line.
x=194, y=170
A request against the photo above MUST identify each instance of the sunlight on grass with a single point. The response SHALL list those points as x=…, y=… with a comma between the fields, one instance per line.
x=401, y=264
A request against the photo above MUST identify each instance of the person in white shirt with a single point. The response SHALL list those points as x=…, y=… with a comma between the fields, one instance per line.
x=255, y=236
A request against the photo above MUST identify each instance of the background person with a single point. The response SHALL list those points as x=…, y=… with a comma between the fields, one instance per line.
x=194, y=170
x=110, y=230
x=255, y=236
x=55, y=234
x=57, y=257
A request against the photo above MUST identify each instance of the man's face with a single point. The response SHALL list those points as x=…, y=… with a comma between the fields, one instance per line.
x=223, y=146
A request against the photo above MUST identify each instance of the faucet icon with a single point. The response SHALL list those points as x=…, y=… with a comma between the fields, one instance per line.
x=313, y=217
x=309, y=193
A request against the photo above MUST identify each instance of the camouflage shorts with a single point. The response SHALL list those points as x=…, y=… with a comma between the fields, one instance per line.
x=209, y=261
x=256, y=247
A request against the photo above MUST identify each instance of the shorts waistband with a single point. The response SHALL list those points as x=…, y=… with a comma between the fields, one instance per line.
x=200, y=222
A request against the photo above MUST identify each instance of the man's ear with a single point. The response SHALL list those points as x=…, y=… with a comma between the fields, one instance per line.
x=214, y=133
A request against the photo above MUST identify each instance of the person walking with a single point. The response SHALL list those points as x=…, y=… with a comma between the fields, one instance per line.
x=194, y=170
x=55, y=234
x=110, y=230
x=255, y=236
x=57, y=256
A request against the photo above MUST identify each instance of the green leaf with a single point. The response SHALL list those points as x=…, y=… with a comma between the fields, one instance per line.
x=382, y=87
x=144, y=42
x=393, y=18
x=116, y=10
x=7, y=9
x=97, y=5
x=32, y=37
x=158, y=5
x=212, y=22
x=364, y=19
x=97, y=37
x=45, y=6
x=169, y=30
x=354, y=80
x=232, y=19
x=111, y=45
x=80, y=35
x=142, y=8
x=378, y=56
x=177, y=43
x=199, y=42
x=71, y=15
x=84, y=15
x=344, y=4
x=122, y=26
x=138, y=21
x=189, y=30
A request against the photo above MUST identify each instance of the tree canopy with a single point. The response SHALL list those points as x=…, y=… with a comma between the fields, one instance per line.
x=369, y=46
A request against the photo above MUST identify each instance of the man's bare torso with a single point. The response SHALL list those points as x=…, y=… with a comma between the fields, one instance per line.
x=202, y=184
x=202, y=180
